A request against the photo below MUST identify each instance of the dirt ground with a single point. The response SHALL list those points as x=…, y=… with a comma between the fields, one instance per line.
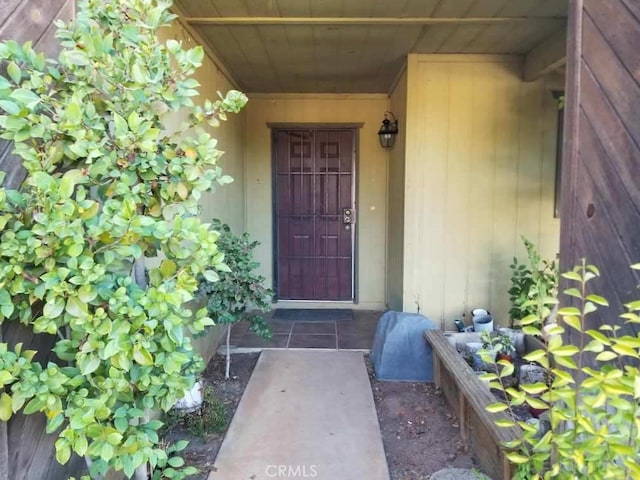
x=419, y=432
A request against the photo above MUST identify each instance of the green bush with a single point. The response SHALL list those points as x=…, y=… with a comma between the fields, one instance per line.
x=234, y=293
x=592, y=396
x=106, y=187
x=532, y=285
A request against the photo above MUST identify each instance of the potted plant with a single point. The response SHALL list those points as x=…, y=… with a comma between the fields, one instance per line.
x=499, y=344
x=534, y=288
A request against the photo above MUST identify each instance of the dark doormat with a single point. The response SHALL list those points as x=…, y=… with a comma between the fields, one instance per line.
x=312, y=315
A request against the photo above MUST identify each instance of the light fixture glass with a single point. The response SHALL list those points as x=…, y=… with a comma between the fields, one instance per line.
x=388, y=130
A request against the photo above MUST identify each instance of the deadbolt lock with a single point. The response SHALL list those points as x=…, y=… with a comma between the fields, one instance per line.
x=348, y=216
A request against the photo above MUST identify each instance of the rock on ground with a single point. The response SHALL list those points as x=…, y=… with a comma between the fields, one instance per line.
x=458, y=474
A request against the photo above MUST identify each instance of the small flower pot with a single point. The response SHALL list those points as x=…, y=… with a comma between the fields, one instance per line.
x=505, y=356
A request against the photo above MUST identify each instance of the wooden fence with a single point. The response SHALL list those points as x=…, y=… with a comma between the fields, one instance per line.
x=26, y=452
x=601, y=166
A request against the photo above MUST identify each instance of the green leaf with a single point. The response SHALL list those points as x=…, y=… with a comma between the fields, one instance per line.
x=74, y=114
x=516, y=458
x=5, y=298
x=120, y=124
x=211, y=275
x=5, y=377
x=80, y=445
x=87, y=293
x=569, y=311
x=142, y=356
x=176, y=462
x=573, y=292
x=182, y=444
x=594, y=346
x=14, y=72
x=63, y=452
x=534, y=388
x=168, y=268
x=134, y=121
x=26, y=97
x=535, y=355
x=74, y=57
x=66, y=187
x=53, y=310
x=573, y=321
x=75, y=250
x=10, y=107
x=34, y=405
x=572, y=276
x=597, y=299
x=565, y=351
x=138, y=75
x=536, y=403
x=54, y=423
x=77, y=307
x=505, y=423
x=624, y=350
x=5, y=407
x=496, y=407
x=88, y=364
x=598, y=336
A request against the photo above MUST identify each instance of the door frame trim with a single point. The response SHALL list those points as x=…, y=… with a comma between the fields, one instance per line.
x=355, y=127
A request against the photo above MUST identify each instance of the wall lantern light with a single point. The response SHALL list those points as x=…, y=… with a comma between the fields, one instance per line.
x=388, y=130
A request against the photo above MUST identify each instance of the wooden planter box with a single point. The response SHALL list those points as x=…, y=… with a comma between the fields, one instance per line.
x=468, y=396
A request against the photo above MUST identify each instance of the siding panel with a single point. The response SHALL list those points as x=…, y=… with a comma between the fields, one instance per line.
x=395, y=210
x=480, y=173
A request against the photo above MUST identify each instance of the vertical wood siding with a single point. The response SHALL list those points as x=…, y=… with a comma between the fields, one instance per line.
x=227, y=202
x=395, y=209
x=602, y=149
x=480, y=168
x=30, y=452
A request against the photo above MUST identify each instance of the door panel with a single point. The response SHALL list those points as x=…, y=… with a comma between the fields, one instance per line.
x=313, y=186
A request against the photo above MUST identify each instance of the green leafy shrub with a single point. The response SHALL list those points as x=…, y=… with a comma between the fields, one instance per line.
x=499, y=343
x=106, y=187
x=532, y=285
x=210, y=417
x=592, y=396
x=237, y=291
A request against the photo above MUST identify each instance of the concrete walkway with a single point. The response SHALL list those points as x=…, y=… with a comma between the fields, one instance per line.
x=304, y=414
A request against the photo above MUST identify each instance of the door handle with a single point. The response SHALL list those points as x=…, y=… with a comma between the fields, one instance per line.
x=348, y=216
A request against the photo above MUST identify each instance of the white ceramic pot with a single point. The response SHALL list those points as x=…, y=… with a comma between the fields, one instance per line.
x=192, y=399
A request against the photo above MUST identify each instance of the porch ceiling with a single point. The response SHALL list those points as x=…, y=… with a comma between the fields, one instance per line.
x=359, y=46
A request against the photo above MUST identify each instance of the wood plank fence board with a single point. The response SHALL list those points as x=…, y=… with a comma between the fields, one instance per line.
x=26, y=451
x=601, y=164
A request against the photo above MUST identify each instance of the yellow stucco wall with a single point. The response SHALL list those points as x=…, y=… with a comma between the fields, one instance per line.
x=480, y=166
x=372, y=178
x=396, y=185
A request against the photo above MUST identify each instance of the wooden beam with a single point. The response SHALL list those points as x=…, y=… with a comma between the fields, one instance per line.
x=546, y=57
x=367, y=20
x=213, y=56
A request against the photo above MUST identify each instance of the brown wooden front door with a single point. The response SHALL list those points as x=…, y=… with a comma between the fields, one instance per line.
x=314, y=213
